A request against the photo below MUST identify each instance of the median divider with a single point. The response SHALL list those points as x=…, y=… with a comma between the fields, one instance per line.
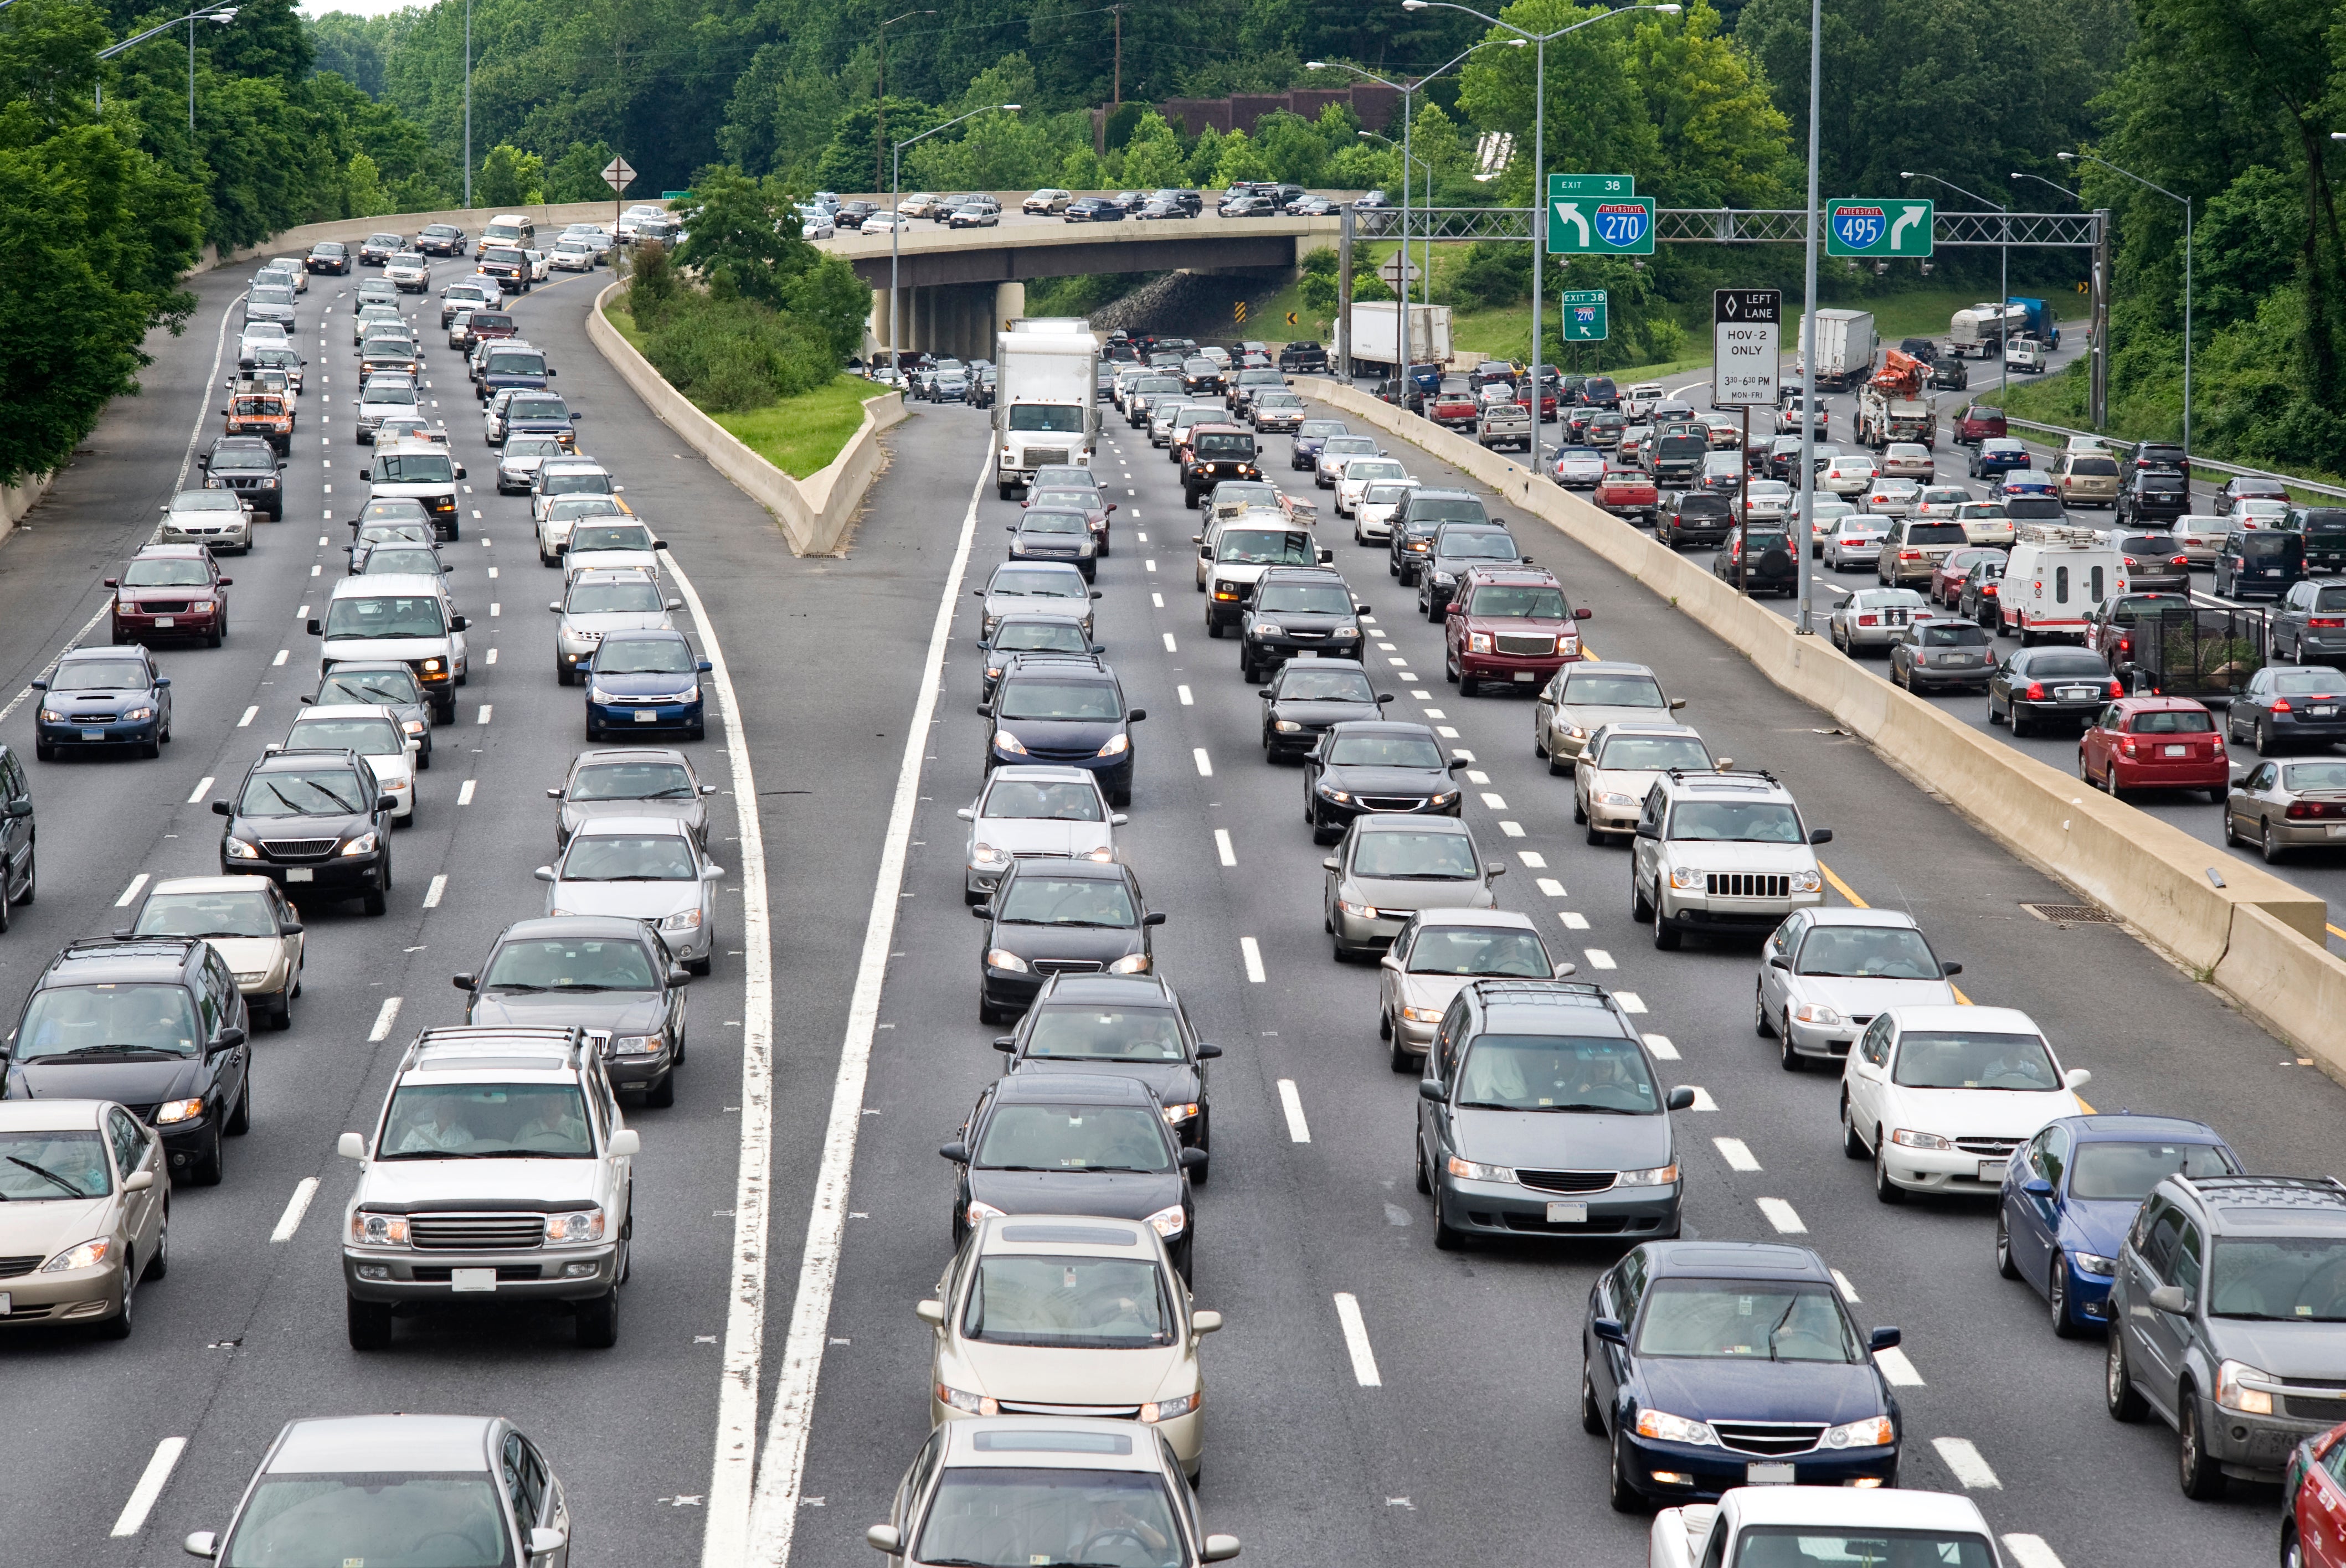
x=2257, y=937
x=814, y=511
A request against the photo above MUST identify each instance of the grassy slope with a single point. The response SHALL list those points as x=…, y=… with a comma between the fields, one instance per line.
x=799, y=435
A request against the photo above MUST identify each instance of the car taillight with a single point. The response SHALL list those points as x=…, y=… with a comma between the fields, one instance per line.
x=2327, y=622
x=2035, y=691
x=1869, y=620
x=2126, y=747
x=2116, y=690
x=1987, y=590
x=2129, y=560
x=2303, y=808
x=2186, y=561
x=1910, y=554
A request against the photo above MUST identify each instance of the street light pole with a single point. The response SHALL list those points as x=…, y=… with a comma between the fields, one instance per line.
x=896, y=228
x=221, y=14
x=2004, y=305
x=1803, y=541
x=2114, y=168
x=468, y=106
x=880, y=138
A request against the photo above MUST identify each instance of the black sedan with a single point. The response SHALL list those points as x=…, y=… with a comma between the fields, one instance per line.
x=2285, y=709
x=1377, y=766
x=1976, y=599
x=316, y=823
x=1712, y=1365
x=1073, y=1142
x=1131, y=1025
x=1054, y=708
x=1309, y=697
x=1297, y=610
x=1050, y=916
x=1095, y=210
x=2049, y=686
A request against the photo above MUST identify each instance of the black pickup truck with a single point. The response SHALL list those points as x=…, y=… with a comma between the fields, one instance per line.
x=1303, y=359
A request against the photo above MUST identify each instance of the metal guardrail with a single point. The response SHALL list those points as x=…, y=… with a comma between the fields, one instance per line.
x=2233, y=469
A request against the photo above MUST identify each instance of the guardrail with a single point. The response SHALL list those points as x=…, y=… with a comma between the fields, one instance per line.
x=2233, y=469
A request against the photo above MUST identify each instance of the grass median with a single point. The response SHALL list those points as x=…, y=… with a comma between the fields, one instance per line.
x=801, y=436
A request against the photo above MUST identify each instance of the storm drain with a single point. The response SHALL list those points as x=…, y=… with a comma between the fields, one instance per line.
x=2069, y=914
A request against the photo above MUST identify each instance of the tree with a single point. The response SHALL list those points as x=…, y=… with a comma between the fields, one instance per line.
x=1295, y=148
x=1205, y=158
x=1240, y=158
x=362, y=192
x=745, y=236
x=1435, y=141
x=577, y=174
x=510, y=177
x=1721, y=141
x=1596, y=117
x=1152, y=154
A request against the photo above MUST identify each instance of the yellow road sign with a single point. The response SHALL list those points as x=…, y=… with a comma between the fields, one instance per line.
x=1239, y=312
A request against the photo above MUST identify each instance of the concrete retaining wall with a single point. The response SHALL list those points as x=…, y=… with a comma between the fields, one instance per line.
x=814, y=511
x=17, y=499
x=2261, y=938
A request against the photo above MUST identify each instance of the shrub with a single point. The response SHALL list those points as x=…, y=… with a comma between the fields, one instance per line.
x=731, y=355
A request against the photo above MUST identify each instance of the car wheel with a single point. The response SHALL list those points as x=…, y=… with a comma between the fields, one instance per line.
x=2265, y=844
x=118, y=1326
x=31, y=880
x=1786, y=1056
x=2202, y=1477
x=2003, y=1264
x=1761, y=1024
x=239, y=1121
x=2264, y=738
x=159, y=1264
x=1623, y=1497
x=1639, y=909
x=207, y=1170
x=598, y=1321
x=1884, y=1190
x=1666, y=935
x=1592, y=1419
x=1423, y=1184
x=987, y=1013
x=2056, y=1300
x=1445, y=1238
x=1852, y=1144
x=373, y=901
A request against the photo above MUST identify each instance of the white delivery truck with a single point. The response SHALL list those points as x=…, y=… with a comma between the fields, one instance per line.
x=1044, y=412
x=1845, y=347
x=1053, y=324
x=1979, y=333
x=1374, y=330
x=2054, y=577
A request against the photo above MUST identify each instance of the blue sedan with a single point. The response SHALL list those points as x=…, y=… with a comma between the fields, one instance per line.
x=1997, y=455
x=642, y=681
x=104, y=697
x=1712, y=1365
x=2070, y=1193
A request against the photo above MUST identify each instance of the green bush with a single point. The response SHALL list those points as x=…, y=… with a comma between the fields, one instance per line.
x=730, y=355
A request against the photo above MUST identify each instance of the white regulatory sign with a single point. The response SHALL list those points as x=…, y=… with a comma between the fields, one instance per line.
x=1747, y=329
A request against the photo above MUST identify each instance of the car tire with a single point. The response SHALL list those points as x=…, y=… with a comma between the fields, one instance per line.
x=118, y=1326
x=1666, y=937
x=2005, y=1267
x=2056, y=1301
x=1884, y=1190
x=373, y=901
x=1623, y=1497
x=1592, y=1419
x=1761, y=1024
x=2268, y=847
x=1852, y=1145
x=2198, y=1473
x=208, y=1170
x=598, y=1320
x=239, y=1121
x=1446, y=1239
x=2264, y=738
x=1786, y=1056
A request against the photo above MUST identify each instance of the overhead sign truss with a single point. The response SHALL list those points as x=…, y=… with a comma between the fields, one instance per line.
x=1757, y=226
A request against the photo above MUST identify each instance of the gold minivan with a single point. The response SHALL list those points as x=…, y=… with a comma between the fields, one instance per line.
x=2086, y=478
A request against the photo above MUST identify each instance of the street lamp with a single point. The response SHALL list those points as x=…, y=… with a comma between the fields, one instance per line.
x=896, y=224
x=2114, y=168
x=220, y=14
x=2061, y=188
x=1539, y=156
x=881, y=138
x=2003, y=276
x=468, y=115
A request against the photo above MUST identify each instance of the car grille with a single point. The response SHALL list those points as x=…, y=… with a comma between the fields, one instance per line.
x=298, y=849
x=96, y=717
x=1105, y=1413
x=1769, y=1437
x=507, y=1273
x=1303, y=635
x=10, y=1268
x=1038, y=455
x=477, y=1232
x=1566, y=1181
x=2000, y=1147
x=1525, y=645
x=1748, y=885
x=161, y=607
x=1067, y=966
x=1394, y=802
x=2300, y=1406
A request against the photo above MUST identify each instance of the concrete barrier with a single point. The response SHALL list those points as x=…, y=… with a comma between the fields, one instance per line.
x=2290, y=987
x=351, y=231
x=21, y=497
x=814, y=511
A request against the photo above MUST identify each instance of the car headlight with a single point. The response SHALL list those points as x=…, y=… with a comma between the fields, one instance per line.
x=987, y=855
x=1003, y=958
x=578, y=1226
x=1470, y=1170
x=51, y=715
x=1873, y=1432
x=1348, y=631
x=1684, y=879
x=431, y=666
x=1448, y=797
x=238, y=850
x=978, y=1210
x=1131, y=963
x=1421, y=1014
x=179, y=1110
x=1343, y=798
x=1358, y=911
x=1286, y=727
x=1008, y=742
x=362, y=845
x=1445, y=577
x=1117, y=745
x=1477, y=642
x=1667, y=1428
x=1614, y=797
x=2233, y=1393
x=137, y=713
x=596, y=693
x=1818, y=1012
x=1170, y=1409
x=1176, y=1114
x=1807, y=881
x=1909, y=1137
x=85, y=1255
x=1168, y=1222
x=1084, y=549
x=1652, y=1176
x=683, y=919
x=1018, y=547
x=378, y=1230
x=2095, y=1264
x=968, y=1403
x=1268, y=629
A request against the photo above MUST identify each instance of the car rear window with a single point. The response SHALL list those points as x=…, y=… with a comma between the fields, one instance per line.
x=2266, y=545
x=2095, y=468
x=2323, y=520
x=1954, y=636
x=1936, y=534
x=1981, y=411
x=2186, y=721
x=2032, y=508
x=2146, y=543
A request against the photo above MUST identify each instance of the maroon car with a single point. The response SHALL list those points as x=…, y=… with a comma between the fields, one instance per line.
x=1979, y=422
x=1510, y=626
x=170, y=591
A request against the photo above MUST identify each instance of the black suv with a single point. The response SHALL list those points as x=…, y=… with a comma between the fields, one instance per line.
x=1297, y=610
x=153, y=1022
x=1308, y=358
x=311, y=819
x=1213, y=453
x=1697, y=517
x=2324, y=529
x=2151, y=497
x=16, y=834
x=248, y=465
x=1774, y=568
x=1414, y=522
x=1049, y=916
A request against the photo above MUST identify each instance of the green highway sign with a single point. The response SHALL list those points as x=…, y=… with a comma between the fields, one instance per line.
x=1563, y=187
x=1871, y=227
x=1601, y=226
x=1584, y=316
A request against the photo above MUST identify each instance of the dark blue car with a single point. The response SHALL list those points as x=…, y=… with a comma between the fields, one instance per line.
x=1997, y=456
x=1309, y=437
x=643, y=681
x=102, y=698
x=1066, y=711
x=1717, y=1364
x=2071, y=1192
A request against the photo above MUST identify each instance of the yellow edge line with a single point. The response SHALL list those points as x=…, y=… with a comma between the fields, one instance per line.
x=1845, y=890
x=2340, y=935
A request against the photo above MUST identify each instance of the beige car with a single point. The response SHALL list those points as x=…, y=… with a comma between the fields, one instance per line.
x=2086, y=478
x=87, y=1212
x=1618, y=767
x=1052, y=1315
x=1587, y=695
x=1434, y=955
x=248, y=920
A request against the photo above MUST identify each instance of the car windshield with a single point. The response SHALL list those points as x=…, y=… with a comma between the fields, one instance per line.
x=223, y=914
x=1033, y=800
x=403, y=395
x=2032, y=508
x=171, y=574
x=1065, y=584
x=644, y=656
x=1824, y=1546
x=1218, y=444
x=2184, y=721
x=614, y=599
x=1415, y=856
x=1041, y=521
x=41, y=1166
x=1042, y=636
x=1591, y=689
x=1062, y=419
x=111, y=1021
x=1867, y=953
x=513, y=363
x=486, y=1121
x=570, y=963
x=403, y=563
x=2125, y=1173
x=1751, y=1320
x=243, y=457
x=2291, y=1279
x=399, y=508
x=99, y=675
x=336, y=792
x=996, y=1518
x=1077, y=701
x=1557, y=1073
x=1474, y=545
x=399, y=616
x=384, y=685
x=1468, y=949
x=1266, y=548
x=1653, y=753
x=1737, y=822
x=628, y=858
x=1070, y=1032
x=1304, y=598
x=1076, y=500
x=1972, y=1059
x=1302, y=683
x=570, y=508
x=633, y=782
x=1385, y=751
x=1069, y=1303
x=367, y=736
x=1075, y=1138
x=1043, y=900
x=391, y=1520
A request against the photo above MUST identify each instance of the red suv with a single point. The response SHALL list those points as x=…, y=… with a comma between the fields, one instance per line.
x=1979, y=422
x=2155, y=743
x=170, y=591
x=1510, y=626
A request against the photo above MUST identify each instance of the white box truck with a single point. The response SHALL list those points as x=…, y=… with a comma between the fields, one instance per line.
x=2052, y=580
x=1845, y=352
x=1044, y=412
x=1375, y=334
x=1053, y=324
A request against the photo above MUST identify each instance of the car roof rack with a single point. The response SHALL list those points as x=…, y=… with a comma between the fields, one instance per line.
x=116, y=944
x=1713, y=775
x=572, y=1038
x=2276, y=1188
x=2056, y=533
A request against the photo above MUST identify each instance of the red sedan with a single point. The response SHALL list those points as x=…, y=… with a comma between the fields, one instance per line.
x=1947, y=576
x=2155, y=743
x=2313, y=1503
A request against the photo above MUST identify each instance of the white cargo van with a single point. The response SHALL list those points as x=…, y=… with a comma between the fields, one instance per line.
x=2052, y=579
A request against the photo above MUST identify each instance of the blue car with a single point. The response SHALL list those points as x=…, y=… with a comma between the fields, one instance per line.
x=2072, y=1191
x=106, y=696
x=643, y=681
x=1712, y=1365
x=1063, y=711
x=1997, y=455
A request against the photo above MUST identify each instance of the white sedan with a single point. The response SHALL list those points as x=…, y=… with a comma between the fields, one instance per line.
x=1942, y=500
x=1893, y=497
x=1578, y=467
x=1852, y=473
x=573, y=255
x=1939, y=1097
x=1359, y=475
x=410, y=272
x=1910, y=460
x=881, y=222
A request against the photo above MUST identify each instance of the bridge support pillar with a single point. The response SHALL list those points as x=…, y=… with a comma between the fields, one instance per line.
x=1009, y=304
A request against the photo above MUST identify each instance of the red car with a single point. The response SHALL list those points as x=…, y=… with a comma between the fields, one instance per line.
x=1947, y=574
x=1510, y=626
x=1979, y=422
x=170, y=591
x=1627, y=492
x=2155, y=743
x=1547, y=405
x=1453, y=405
x=2313, y=1503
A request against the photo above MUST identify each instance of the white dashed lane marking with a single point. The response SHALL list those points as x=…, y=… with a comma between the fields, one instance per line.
x=1251, y=953
x=151, y=1481
x=1170, y=647
x=1222, y=846
x=2030, y=1551
x=1962, y=1456
x=295, y=1208
x=1782, y=1216
x=465, y=795
x=1660, y=1045
x=432, y=895
x=1599, y=959
x=1356, y=1340
x=486, y=708
x=1298, y=1130
x=384, y=1019
x=1737, y=1154
x=131, y=891
x=1550, y=888
x=282, y=654
x=1205, y=763
x=1897, y=1369
x=1183, y=693
x=202, y=787
x=1841, y=1282
x=1572, y=921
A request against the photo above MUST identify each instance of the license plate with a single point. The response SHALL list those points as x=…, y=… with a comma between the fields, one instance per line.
x=2326, y=710
x=300, y=874
x=1526, y=675
x=1568, y=1214
x=2074, y=693
x=93, y=735
x=2338, y=829
x=7, y=1305
x=1991, y=1170
x=1767, y=1474
x=165, y=621
x=646, y=716
x=2174, y=752
x=464, y=1280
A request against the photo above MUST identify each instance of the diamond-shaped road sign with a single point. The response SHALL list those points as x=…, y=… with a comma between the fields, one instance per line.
x=617, y=174
x=1861, y=225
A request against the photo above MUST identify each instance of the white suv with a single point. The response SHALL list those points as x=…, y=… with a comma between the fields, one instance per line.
x=1724, y=853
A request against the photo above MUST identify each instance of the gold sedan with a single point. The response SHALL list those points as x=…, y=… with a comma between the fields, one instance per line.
x=86, y=1215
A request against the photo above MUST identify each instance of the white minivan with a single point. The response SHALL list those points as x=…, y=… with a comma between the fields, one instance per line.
x=394, y=616
x=2054, y=578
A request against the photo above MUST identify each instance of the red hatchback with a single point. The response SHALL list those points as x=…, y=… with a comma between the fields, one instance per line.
x=1509, y=626
x=170, y=591
x=2313, y=1503
x=2155, y=743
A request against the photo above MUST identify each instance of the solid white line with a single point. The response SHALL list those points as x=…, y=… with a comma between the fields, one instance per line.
x=1168, y=644
x=1841, y=1281
x=771, y=1516
x=250, y=715
x=151, y=1480
x=131, y=891
x=465, y=795
x=1962, y=1456
x=1299, y=1131
x=384, y=1019
x=196, y=799
x=1737, y=1154
x=1896, y=1369
x=1660, y=1045
x=1356, y=1340
x=295, y=1208
x=485, y=709
x=1205, y=763
x=1253, y=954
x=1599, y=959
x=2030, y=1551
x=1222, y=847
x=282, y=654
x=432, y=895
x=1183, y=693
x=1782, y=1216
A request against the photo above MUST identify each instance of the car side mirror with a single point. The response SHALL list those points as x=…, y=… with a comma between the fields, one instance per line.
x=2077, y=1077
x=1680, y=1100
x=1884, y=1339
x=1458, y=762
x=1218, y=1549
x=227, y=1039
x=464, y=981
x=982, y=911
x=1777, y=961
x=1155, y=917
x=545, y=1542
x=138, y=1181
x=459, y=623
x=1455, y=608
x=1821, y=836
x=884, y=1538
x=932, y=1313
x=1432, y=1089
x=2170, y=1299
x=1193, y=1158
x=1005, y=1043
x=1095, y=593
x=201, y=1543
x=2037, y=1187
x=1609, y=1329
x=678, y=975
x=544, y=873
x=222, y=808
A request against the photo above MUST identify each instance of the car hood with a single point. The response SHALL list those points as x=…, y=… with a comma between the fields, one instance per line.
x=1061, y=734
x=620, y=1011
x=2287, y=1350
x=1868, y=997
x=129, y=1083
x=1040, y=836
x=1719, y=1388
x=1321, y=715
x=43, y=1229
x=1982, y=1113
x=427, y=1181
x=635, y=900
x=651, y=683
x=1744, y=857
x=1049, y=1375
x=1552, y=1140
x=576, y=812
x=2097, y=1225
x=1111, y=1195
x=1396, y=893
x=1364, y=780
x=83, y=701
x=320, y=825
x=601, y=621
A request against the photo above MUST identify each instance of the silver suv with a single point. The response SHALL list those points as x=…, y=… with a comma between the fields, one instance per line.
x=500, y=1167
x=1723, y=852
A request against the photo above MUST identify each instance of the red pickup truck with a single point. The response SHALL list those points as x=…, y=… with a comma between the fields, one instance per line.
x=1453, y=404
x=1629, y=493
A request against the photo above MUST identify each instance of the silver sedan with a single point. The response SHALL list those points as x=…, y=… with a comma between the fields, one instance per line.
x=1826, y=972
x=1024, y=811
x=2283, y=805
x=1871, y=618
x=642, y=867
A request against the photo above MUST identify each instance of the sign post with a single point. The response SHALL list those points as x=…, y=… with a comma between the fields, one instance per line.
x=1879, y=228
x=619, y=174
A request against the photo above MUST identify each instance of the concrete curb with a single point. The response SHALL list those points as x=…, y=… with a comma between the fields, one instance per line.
x=814, y=512
x=2258, y=939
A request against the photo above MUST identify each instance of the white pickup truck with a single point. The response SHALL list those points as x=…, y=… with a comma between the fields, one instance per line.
x=1813, y=1526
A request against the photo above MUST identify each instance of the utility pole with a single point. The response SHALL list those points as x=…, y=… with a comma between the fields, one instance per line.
x=1116, y=99
x=879, y=139
x=468, y=106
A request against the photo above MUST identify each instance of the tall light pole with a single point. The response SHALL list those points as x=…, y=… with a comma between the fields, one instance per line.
x=1539, y=158
x=2004, y=278
x=468, y=106
x=222, y=15
x=1803, y=541
x=896, y=225
x=881, y=138
x=2146, y=185
x=2061, y=188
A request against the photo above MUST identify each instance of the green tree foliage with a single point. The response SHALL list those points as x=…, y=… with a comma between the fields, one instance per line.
x=509, y=177
x=1152, y=154
x=577, y=174
x=1240, y=158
